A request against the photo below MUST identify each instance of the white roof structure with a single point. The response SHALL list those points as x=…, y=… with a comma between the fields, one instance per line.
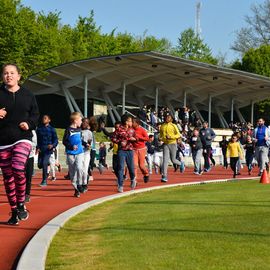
x=152, y=78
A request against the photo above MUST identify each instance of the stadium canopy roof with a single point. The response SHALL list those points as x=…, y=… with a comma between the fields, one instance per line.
x=151, y=78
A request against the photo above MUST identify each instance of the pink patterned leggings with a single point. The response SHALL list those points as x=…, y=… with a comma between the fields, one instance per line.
x=12, y=163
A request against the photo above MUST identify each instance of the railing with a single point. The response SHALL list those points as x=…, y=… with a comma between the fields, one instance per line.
x=145, y=125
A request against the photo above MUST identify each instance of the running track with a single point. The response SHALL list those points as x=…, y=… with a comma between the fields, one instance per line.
x=46, y=203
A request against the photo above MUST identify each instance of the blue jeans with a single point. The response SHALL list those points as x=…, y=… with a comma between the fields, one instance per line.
x=45, y=157
x=125, y=156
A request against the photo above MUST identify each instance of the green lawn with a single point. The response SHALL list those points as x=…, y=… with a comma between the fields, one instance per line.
x=213, y=226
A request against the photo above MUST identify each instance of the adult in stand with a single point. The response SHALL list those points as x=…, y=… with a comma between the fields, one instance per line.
x=124, y=136
x=18, y=117
x=169, y=133
x=46, y=142
x=140, y=149
x=207, y=135
x=261, y=136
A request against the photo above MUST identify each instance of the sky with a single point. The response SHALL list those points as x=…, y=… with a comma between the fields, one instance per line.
x=220, y=19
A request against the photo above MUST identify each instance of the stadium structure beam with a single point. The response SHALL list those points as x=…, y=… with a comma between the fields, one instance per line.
x=132, y=80
x=252, y=112
x=67, y=99
x=156, y=99
x=123, y=98
x=109, y=101
x=232, y=108
x=85, y=96
x=185, y=99
x=209, y=110
x=194, y=106
x=239, y=114
x=74, y=103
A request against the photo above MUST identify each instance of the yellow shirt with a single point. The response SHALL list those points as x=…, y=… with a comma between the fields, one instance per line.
x=171, y=130
x=115, y=148
x=234, y=150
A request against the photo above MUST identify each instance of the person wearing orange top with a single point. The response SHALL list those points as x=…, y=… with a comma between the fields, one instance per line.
x=140, y=149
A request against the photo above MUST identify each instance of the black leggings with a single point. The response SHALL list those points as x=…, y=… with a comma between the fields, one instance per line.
x=233, y=163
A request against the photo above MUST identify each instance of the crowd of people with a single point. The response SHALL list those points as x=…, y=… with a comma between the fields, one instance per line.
x=133, y=147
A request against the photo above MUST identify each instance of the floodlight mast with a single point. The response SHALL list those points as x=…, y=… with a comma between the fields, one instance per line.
x=198, y=30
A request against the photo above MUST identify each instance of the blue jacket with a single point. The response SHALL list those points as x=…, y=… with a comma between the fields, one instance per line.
x=72, y=137
x=46, y=135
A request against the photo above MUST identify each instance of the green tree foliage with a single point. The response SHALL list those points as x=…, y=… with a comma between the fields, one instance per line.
x=257, y=61
x=36, y=41
x=191, y=46
x=257, y=29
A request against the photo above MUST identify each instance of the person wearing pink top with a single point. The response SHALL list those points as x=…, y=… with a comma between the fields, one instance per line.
x=140, y=149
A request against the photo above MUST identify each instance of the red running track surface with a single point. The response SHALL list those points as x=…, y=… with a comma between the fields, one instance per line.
x=48, y=202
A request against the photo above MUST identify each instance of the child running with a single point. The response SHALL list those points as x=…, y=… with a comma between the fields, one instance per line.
x=18, y=117
x=234, y=152
x=72, y=140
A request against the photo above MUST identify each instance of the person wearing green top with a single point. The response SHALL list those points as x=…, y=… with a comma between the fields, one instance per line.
x=169, y=133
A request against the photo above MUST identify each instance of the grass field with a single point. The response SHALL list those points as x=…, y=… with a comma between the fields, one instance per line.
x=213, y=226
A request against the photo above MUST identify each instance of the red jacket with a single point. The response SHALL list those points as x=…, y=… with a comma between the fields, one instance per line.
x=142, y=138
x=121, y=136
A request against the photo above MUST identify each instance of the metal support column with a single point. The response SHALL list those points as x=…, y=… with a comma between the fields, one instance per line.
x=232, y=108
x=185, y=99
x=156, y=100
x=108, y=100
x=74, y=103
x=85, y=96
x=209, y=110
x=123, y=98
x=194, y=106
x=252, y=112
x=239, y=114
x=67, y=99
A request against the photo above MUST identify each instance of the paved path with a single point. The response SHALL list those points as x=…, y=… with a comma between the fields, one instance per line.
x=57, y=197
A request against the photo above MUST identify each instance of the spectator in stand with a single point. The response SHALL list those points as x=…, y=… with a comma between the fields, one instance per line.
x=250, y=151
x=196, y=151
x=261, y=136
x=169, y=133
x=140, y=150
x=207, y=135
x=154, y=119
x=234, y=152
x=223, y=145
x=124, y=136
x=46, y=142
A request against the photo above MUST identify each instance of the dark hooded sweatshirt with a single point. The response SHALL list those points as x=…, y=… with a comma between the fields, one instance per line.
x=21, y=106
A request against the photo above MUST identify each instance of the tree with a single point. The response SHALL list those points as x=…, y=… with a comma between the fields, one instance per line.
x=191, y=46
x=257, y=61
x=257, y=31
